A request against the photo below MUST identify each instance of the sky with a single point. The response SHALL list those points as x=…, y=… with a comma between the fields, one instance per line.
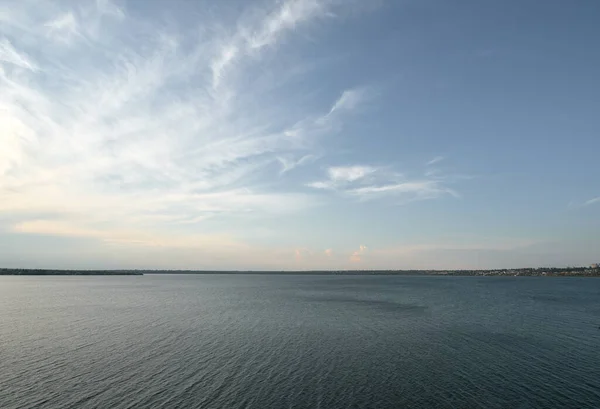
x=299, y=134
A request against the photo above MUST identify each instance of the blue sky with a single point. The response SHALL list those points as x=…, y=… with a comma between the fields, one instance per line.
x=299, y=134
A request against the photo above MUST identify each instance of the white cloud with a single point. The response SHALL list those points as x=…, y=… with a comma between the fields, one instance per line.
x=110, y=8
x=254, y=34
x=342, y=176
x=368, y=182
x=435, y=160
x=350, y=100
x=8, y=54
x=592, y=201
x=320, y=185
x=139, y=125
x=63, y=28
x=578, y=205
x=220, y=63
x=289, y=163
x=287, y=17
x=349, y=173
x=416, y=190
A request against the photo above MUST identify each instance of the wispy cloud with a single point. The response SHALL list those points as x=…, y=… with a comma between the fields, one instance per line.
x=340, y=176
x=349, y=173
x=435, y=160
x=573, y=204
x=369, y=182
x=110, y=8
x=63, y=28
x=221, y=62
x=414, y=190
x=140, y=125
x=288, y=163
x=287, y=17
x=9, y=55
x=592, y=201
x=350, y=100
x=254, y=34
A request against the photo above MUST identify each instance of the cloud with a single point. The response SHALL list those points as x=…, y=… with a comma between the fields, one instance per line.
x=289, y=163
x=329, y=252
x=340, y=176
x=220, y=63
x=414, y=190
x=435, y=160
x=369, y=182
x=349, y=100
x=349, y=173
x=143, y=125
x=578, y=205
x=356, y=256
x=255, y=34
x=286, y=18
x=320, y=185
x=63, y=28
x=107, y=7
x=9, y=55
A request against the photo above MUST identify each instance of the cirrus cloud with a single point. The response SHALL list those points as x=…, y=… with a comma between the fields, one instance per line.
x=113, y=119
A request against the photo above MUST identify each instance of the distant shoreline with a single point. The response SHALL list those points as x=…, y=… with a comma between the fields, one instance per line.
x=32, y=272
x=523, y=272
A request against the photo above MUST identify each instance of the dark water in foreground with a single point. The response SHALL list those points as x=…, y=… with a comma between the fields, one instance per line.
x=299, y=342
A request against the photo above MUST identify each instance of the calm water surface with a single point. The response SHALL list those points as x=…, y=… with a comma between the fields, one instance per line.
x=257, y=341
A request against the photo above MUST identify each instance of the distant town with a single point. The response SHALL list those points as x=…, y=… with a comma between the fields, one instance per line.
x=590, y=271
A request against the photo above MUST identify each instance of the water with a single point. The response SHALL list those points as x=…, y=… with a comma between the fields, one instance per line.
x=224, y=341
